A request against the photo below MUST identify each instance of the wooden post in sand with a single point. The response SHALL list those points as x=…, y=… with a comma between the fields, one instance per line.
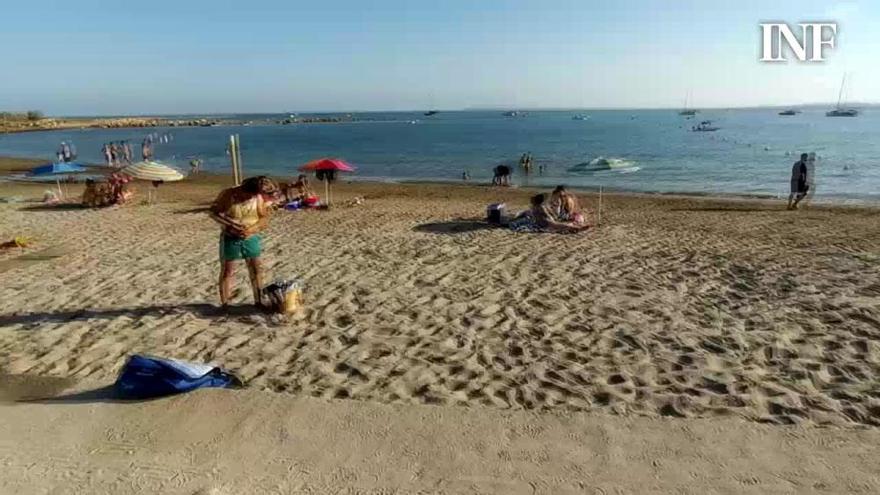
x=231, y=149
x=235, y=158
x=599, y=220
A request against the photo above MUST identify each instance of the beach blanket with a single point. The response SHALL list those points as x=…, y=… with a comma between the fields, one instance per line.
x=525, y=224
x=147, y=377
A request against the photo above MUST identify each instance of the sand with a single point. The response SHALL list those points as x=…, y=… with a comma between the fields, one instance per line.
x=222, y=442
x=731, y=312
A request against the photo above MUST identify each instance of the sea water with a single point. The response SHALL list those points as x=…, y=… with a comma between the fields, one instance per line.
x=751, y=154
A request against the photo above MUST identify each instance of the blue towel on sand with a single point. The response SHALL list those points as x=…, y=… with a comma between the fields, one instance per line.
x=145, y=377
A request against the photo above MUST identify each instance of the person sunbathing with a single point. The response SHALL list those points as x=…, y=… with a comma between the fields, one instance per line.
x=565, y=206
x=542, y=219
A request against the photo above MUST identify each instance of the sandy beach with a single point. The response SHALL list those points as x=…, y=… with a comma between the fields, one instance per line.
x=675, y=315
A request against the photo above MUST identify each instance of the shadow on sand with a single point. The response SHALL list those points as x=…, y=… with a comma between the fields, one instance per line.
x=49, y=390
x=457, y=226
x=57, y=207
x=200, y=209
x=202, y=310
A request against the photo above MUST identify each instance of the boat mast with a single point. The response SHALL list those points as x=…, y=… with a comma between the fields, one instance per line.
x=840, y=94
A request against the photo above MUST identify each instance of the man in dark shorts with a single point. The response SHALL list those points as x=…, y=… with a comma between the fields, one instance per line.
x=799, y=184
x=502, y=176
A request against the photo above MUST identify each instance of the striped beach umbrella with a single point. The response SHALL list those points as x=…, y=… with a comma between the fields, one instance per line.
x=155, y=172
x=152, y=171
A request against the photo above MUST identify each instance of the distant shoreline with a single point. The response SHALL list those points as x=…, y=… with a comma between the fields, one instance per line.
x=231, y=116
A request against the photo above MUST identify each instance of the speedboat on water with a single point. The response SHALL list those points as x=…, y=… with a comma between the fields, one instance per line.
x=601, y=164
x=789, y=112
x=431, y=112
x=705, y=126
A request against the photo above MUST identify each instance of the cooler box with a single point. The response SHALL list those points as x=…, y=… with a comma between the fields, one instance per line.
x=495, y=213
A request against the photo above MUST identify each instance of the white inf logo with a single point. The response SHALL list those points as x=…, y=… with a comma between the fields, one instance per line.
x=806, y=48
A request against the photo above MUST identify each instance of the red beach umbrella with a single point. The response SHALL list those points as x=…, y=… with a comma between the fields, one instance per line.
x=327, y=164
x=326, y=169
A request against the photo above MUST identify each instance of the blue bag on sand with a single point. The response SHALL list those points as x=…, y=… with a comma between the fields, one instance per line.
x=145, y=377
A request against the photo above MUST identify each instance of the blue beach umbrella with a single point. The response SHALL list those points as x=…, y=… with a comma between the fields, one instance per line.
x=57, y=168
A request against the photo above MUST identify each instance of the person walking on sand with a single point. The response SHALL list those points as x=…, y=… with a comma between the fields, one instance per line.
x=799, y=185
x=243, y=213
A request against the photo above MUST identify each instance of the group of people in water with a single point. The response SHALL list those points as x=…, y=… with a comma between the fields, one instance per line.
x=501, y=173
x=116, y=154
x=119, y=153
x=66, y=152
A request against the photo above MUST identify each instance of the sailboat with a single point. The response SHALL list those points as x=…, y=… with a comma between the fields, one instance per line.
x=686, y=111
x=839, y=111
x=433, y=111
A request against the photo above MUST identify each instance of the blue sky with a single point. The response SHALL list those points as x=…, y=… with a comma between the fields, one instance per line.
x=83, y=57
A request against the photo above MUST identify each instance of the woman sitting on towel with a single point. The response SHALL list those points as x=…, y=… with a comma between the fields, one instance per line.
x=564, y=206
x=299, y=190
x=542, y=219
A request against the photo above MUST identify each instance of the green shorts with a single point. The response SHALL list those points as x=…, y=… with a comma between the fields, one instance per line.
x=234, y=248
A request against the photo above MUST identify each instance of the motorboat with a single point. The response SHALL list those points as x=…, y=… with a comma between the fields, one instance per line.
x=705, y=126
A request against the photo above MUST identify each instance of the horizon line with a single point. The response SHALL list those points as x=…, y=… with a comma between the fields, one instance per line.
x=461, y=109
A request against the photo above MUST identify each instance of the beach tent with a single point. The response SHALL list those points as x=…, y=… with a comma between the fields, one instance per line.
x=326, y=169
x=57, y=169
x=154, y=172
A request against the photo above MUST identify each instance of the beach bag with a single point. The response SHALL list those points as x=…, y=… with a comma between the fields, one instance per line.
x=145, y=377
x=495, y=213
x=284, y=296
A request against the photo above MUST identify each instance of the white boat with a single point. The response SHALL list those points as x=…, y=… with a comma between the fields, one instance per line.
x=687, y=112
x=839, y=111
x=705, y=126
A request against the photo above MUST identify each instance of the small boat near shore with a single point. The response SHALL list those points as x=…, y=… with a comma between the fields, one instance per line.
x=705, y=126
x=789, y=112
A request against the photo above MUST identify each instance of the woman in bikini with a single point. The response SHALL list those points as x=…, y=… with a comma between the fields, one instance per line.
x=243, y=213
